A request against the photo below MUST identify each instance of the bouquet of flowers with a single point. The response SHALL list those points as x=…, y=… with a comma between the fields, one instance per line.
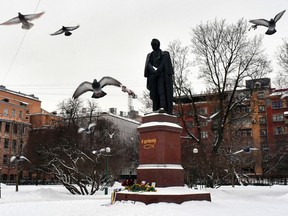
x=143, y=187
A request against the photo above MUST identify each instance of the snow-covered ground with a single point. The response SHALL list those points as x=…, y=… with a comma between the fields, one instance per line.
x=54, y=200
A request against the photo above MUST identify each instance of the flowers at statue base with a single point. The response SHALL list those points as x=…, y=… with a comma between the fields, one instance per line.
x=143, y=187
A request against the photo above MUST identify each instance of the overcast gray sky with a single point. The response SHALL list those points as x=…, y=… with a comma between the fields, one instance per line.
x=113, y=40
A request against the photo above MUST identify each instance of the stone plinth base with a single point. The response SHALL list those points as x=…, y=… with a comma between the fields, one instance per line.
x=170, y=194
x=160, y=151
x=164, y=175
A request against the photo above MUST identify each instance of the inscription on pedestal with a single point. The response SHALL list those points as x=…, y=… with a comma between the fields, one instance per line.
x=148, y=143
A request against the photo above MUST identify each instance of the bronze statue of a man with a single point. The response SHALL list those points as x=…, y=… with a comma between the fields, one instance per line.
x=159, y=73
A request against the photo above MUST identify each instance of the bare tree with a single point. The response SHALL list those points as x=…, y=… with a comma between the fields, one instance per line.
x=69, y=110
x=226, y=57
x=146, y=101
x=68, y=155
x=281, y=79
x=181, y=65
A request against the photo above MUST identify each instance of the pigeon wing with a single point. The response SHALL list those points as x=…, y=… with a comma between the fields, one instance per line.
x=82, y=88
x=203, y=117
x=24, y=158
x=12, y=21
x=213, y=115
x=80, y=130
x=12, y=158
x=60, y=31
x=109, y=81
x=72, y=28
x=33, y=16
x=278, y=16
x=262, y=22
x=92, y=125
x=237, y=152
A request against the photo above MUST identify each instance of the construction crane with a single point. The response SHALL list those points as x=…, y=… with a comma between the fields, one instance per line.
x=131, y=96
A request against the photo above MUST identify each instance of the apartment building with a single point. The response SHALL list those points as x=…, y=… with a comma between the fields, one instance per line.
x=19, y=113
x=258, y=121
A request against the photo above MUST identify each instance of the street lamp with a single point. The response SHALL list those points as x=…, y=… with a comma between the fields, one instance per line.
x=106, y=150
x=18, y=159
x=195, y=151
x=102, y=151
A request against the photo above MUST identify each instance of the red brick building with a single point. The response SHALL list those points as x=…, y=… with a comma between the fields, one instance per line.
x=258, y=121
x=19, y=113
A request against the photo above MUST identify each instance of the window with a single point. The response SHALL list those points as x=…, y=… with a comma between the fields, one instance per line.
x=7, y=127
x=21, y=145
x=20, y=129
x=203, y=123
x=5, y=112
x=263, y=132
x=14, y=144
x=23, y=104
x=204, y=134
x=13, y=113
x=278, y=117
x=20, y=114
x=244, y=133
x=246, y=109
x=262, y=120
x=279, y=130
x=5, y=159
x=261, y=95
x=249, y=132
x=6, y=143
x=190, y=112
x=261, y=108
x=215, y=123
x=264, y=146
x=277, y=104
x=189, y=124
x=202, y=111
x=15, y=128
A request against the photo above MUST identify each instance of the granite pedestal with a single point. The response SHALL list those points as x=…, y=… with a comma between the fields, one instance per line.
x=160, y=162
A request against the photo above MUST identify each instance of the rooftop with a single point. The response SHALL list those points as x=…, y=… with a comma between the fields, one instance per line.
x=31, y=96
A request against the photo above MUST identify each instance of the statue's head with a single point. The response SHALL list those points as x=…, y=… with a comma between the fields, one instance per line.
x=155, y=43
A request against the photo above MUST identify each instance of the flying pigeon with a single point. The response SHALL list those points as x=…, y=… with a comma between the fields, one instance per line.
x=96, y=87
x=87, y=130
x=18, y=158
x=270, y=24
x=65, y=30
x=246, y=150
x=111, y=135
x=208, y=118
x=24, y=19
